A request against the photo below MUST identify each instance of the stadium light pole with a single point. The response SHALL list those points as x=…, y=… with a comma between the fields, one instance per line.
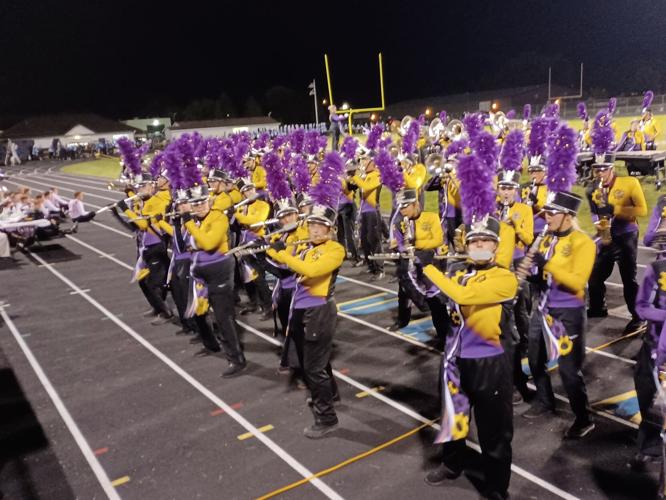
x=313, y=92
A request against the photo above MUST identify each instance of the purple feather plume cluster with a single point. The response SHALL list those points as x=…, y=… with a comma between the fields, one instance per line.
x=421, y=119
x=187, y=148
x=328, y=189
x=262, y=141
x=648, y=97
x=374, y=135
x=412, y=135
x=443, y=116
x=561, y=161
x=513, y=150
x=276, y=177
x=582, y=111
x=511, y=114
x=322, y=141
x=612, y=105
x=552, y=110
x=157, y=165
x=349, y=147
x=602, y=133
x=300, y=174
x=456, y=148
x=538, y=136
x=311, y=142
x=527, y=111
x=130, y=154
x=389, y=171
x=474, y=124
x=279, y=140
x=384, y=142
x=173, y=163
x=297, y=140
x=486, y=149
x=477, y=195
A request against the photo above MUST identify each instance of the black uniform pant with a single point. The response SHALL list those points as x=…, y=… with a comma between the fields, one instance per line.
x=346, y=220
x=180, y=288
x=219, y=278
x=312, y=331
x=487, y=383
x=371, y=239
x=257, y=290
x=569, y=366
x=623, y=250
x=85, y=217
x=153, y=286
x=288, y=358
x=649, y=438
x=407, y=293
x=522, y=311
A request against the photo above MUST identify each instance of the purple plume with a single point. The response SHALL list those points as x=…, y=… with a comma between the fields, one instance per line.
x=474, y=124
x=538, y=136
x=276, y=177
x=421, y=119
x=384, y=142
x=262, y=141
x=157, y=165
x=311, y=142
x=443, y=116
x=173, y=163
x=297, y=140
x=187, y=147
x=279, y=141
x=389, y=171
x=374, y=135
x=612, y=105
x=513, y=150
x=602, y=133
x=477, y=195
x=486, y=149
x=552, y=110
x=582, y=111
x=328, y=189
x=511, y=114
x=561, y=162
x=300, y=174
x=527, y=111
x=322, y=141
x=648, y=97
x=456, y=147
x=130, y=154
x=349, y=147
x=412, y=135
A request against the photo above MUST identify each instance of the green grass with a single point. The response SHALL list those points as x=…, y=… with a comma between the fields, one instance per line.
x=103, y=167
x=647, y=183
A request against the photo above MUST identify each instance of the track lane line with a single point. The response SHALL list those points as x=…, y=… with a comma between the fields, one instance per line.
x=242, y=421
x=60, y=407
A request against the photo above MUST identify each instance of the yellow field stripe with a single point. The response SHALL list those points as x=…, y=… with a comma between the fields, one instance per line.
x=367, y=393
x=248, y=435
x=615, y=399
x=366, y=306
x=353, y=301
x=120, y=480
x=603, y=346
x=347, y=462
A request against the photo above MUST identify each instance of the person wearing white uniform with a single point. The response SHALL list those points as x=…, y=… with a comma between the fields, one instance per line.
x=76, y=210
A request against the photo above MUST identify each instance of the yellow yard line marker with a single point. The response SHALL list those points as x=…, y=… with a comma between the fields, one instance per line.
x=248, y=435
x=120, y=480
x=366, y=306
x=367, y=393
x=353, y=301
x=603, y=346
x=615, y=399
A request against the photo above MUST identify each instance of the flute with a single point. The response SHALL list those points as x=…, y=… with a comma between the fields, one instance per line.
x=111, y=205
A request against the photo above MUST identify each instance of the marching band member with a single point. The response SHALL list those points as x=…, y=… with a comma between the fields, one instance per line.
x=208, y=230
x=153, y=261
x=76, y=210
x=313, y=311
x=520, y=217
x=371, y=224
x=347, y=210
x=615, y=202
x=476, y=370
x=633, y=139
x=564, y=257
x=534, y=193
x=649, y=125
x=248, y=215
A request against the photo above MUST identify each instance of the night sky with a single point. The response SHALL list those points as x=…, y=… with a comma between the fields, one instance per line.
x=125, y=59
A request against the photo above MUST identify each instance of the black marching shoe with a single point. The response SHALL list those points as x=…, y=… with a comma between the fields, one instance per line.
x=441, y=475
x=150, y=313
x=396, y=326
x=579, y=430
x=318, y=431
x=597, y=313
x=162, y=319
x=248, y=310
x=495, y=495
x=635, y=325
x=358, y=263
x=204, y=351
x=378, y=276
x=234, y=369
x=640, y=461
x=266, y=314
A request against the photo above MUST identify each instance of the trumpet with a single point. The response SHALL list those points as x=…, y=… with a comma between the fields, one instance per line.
x=251, y=249
x=264, y=223
x=126, y=200
x=120, y=184
x=249, y=245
